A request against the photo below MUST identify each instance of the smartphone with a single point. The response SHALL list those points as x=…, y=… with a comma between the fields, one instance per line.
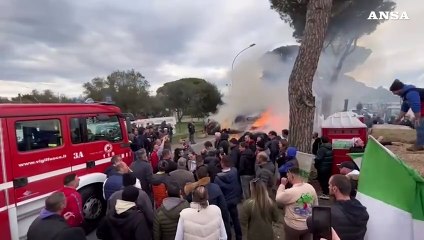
x=321, y=221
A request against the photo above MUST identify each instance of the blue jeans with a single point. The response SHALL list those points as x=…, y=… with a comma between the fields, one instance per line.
x=420, y=134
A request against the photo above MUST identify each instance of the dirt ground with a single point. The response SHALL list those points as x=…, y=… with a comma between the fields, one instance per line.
x=412, y=159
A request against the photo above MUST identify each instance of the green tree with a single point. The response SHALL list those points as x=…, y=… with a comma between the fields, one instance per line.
x=190, y=96
x=4, y=100
x=128, y=89
x=45, y=96
x=348, y=22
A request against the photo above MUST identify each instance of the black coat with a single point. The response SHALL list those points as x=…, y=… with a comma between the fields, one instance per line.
x=53, y=227
x=129, y=225
x=324, y=158
x=247, y=163
x=349, y=219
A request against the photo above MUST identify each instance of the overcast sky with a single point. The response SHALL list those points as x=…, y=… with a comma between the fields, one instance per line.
x=60, y=44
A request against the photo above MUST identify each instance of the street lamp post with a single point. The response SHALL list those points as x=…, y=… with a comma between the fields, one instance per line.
x=234, y=60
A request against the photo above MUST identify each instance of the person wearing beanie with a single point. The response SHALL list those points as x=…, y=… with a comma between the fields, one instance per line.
x=143, y=201
x=412, y=98
x=127, y=222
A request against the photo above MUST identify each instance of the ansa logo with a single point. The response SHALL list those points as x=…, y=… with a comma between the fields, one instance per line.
x=108, y=148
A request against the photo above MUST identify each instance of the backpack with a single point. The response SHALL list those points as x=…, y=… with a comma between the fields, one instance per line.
x=419, y=90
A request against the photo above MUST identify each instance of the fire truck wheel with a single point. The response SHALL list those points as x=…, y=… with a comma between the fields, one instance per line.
x=94, y=206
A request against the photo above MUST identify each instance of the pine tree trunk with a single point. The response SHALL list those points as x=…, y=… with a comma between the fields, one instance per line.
x=301, y=100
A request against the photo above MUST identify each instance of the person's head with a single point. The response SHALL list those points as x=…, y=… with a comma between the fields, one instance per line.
x=285, y=132
x=163, y=166
x=201, y=196
x=130, y=194
x=178, y=152
x=293, y=175
x=202, y=172
x=314, y=135
x=173, y=190
x=71, y=180
x=283, y=144
x=259, y=194
x=242, y=146
x=56, y=202
x=339, y=186
x=260, y=145
x=156, y=147
x=291, y=152
x=166, y=154
x=233, y=142
x=182, y=163
x=122, y=168
x=128, y=179
x=397, y=87
x=217, y=135
x=272, y=135
x=248, y=137
x=225, y=161
x=142, y=154
x=346, y=167
x=325, y=139
x=115, y=160
x=208, y=145
x=261, y=158
x=192, y=156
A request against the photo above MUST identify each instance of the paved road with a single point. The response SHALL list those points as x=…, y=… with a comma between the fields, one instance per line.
x=196, y=147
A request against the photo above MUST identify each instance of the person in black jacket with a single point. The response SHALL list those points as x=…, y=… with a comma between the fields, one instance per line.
x=235, y=153
x=316, y=144
x=126, y=222
x=50, y=225
x=246, y=168
x=273, y=146
x=348, y=216
x=228, y=181
x=323, y=164
x=191, y=131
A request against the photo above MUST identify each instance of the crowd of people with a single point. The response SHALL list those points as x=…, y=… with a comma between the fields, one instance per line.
x=232, y=189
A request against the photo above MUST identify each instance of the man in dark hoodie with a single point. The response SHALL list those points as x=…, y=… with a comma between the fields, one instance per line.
x=143, y=201
x=228, y=181
x=50, y=225
x=413, y=98
x=235, y=153
x=167, y=216
x=211, y=160
x=348, y=216
x=246, y=168
x=273, y=145
x=323, y=164
x=126, y=222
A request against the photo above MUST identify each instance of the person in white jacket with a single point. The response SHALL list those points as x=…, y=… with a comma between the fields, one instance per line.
x=201, y=221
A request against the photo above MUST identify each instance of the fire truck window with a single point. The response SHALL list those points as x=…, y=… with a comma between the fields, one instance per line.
x=38, y=134
x=76, y=131
x=109, y=130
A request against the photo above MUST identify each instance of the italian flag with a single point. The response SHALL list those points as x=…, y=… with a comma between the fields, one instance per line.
x=393, y=194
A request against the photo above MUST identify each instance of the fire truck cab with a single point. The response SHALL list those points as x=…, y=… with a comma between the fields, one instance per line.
x=41, y=143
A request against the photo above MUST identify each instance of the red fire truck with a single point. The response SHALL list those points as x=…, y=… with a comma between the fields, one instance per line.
x=41, y=143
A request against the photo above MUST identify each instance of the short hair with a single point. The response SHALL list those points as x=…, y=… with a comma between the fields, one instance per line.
x=202, y=172
x=182, y=162
x=243, y=144
x=115, y=159
x=55, y=201
x=141, y=152
x=69, y=178
x=163, y=165
x=342, y=183
x=173, y=189
x=294, y=171
x=128, y=179
x=285, y=132
x=273, y=133
x=225, y=160
x=208, y=144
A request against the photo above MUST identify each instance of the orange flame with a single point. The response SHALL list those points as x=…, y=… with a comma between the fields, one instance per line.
x=269, y=121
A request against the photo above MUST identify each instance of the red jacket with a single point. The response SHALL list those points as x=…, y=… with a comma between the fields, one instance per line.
x=154, y=160
x=74, y=205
